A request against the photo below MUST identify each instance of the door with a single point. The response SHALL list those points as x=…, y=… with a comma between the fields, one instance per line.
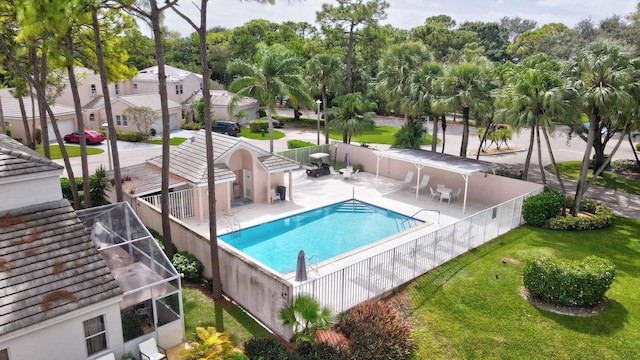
x=247, y=184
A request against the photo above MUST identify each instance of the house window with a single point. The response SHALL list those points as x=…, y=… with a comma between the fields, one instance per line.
x=124, y=120
x=135, y=86
x=179, y=89
x=95, y=334
x=118, y=120
x=92, y=90
x=4, y=354
x=92, y=117
x=116, y=88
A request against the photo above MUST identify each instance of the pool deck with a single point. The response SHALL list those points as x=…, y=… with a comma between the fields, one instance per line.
x=310, y=193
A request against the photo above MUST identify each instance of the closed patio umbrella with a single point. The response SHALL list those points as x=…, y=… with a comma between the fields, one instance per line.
x=301, y=267
x=346, y=160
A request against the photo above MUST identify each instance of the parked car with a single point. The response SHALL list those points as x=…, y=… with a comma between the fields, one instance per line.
x=275, y=122
x=231, y=128
x=92, y=137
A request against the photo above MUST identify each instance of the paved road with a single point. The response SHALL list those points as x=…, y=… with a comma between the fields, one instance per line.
x=564, y=149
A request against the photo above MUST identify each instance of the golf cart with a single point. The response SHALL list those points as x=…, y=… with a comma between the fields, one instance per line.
x=318, y=166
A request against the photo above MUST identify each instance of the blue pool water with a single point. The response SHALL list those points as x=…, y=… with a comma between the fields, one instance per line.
x=327, y=232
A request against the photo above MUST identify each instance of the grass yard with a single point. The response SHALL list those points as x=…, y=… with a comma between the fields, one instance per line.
x=72, y=151
x=379, y=135
x=571, y=170
x=174, y=141
x=471, y=307
x=199, y=310
x=247, y=133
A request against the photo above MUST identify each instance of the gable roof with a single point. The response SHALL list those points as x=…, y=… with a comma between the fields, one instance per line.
x=189, y=160
x=149, y=100
x=17, y=159
x=48, y=265
x=174, y=74
x=11, y=108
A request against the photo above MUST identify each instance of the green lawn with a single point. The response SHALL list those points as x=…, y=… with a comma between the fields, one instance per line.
x=471, y=308
x=571, y=170
x=201, y=311
x=72, y=151
x=379, y=135
x=174, y=141
x=247, y=133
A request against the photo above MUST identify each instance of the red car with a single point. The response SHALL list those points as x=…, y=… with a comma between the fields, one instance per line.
x=92, y=136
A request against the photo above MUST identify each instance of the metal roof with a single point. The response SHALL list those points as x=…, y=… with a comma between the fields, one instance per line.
x=437, y=160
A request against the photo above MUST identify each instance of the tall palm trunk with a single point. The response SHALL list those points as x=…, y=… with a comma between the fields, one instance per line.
x=4, y=125
x=73, y=84
x=25, y=123
x=326, y=117
x=350, y=46
x=594, y=120
x=465, y=131
x=527, y=161
x=633, y=149
x=444, y=130
x=113, y=136
x=556, y=170
x=540, y=164
x=484, y=138
x=40, y=77
x=434, y=136
x=162, y=80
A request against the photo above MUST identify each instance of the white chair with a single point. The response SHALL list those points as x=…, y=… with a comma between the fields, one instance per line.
x=439, y=186
x=434, y=194
x=407, y=180
x=274, y=195
x=346, y=175
x=445, y=196
x=423, y=183
x=355, y=174
x=456, y=195
x=151, y=351
x=332, y=171
x=109, y=356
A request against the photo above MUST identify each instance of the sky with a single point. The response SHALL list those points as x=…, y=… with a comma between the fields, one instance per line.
x=404, y=14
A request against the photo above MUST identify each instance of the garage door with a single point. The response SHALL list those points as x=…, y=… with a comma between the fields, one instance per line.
x=65, y=127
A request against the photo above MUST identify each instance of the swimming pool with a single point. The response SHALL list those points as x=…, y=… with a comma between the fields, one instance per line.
x=326, y=232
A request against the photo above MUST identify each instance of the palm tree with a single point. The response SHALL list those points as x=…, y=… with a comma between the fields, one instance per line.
x=327, y=72
x=275, y=72
x=306, y=316
x=466, y=85
x=352, y=115
x=604, y=79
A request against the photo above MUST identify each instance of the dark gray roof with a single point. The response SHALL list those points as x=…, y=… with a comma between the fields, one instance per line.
x=48, y=266
x=189, y=160
x=17, y=159
x=437, y=160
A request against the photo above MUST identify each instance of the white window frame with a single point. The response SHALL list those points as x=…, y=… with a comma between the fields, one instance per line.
x=135, y=86
x=179, y=89
x=97, y=333
x=93, y=90
x=116, y=89
x=124, y=120
x=92, y=117
x=118, y=120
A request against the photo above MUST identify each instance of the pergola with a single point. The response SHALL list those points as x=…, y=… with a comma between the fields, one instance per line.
x=424, y=158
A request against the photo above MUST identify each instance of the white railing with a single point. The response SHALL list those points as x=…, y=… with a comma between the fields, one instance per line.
x=180, y=203
x=385, y=271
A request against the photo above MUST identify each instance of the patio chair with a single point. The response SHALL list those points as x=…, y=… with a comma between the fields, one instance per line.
x=355, y=174
x=274, y=195
x=434, y=194
x=109, y=356
x=423, y=184
x=346, y=175
x=440, y=186
x=332, y=171
x=408, y=180
x=151, y=351
x=445, y=196
x=456, y=195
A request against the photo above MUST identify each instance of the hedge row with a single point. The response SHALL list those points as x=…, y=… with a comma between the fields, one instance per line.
x=543, y=210
x=295, y=144
x=569, y=283
x=259, y=125
x=538, y=209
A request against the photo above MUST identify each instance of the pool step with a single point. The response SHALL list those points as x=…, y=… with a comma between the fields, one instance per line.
x=355, y=207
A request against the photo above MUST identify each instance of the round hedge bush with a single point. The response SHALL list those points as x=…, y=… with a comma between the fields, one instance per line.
x=189, y=265
x=569, y=283
x=600, y=218
x=538, y=209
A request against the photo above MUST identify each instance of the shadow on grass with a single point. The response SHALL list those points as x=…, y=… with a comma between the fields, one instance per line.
x=612, y=319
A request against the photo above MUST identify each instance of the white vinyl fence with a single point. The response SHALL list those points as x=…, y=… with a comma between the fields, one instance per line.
x=385, y=271
x=301, y=155
x=180, y=203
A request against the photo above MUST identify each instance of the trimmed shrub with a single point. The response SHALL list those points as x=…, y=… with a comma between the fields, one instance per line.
x=153, y=132
x=569, y=283
x=537, y=209
x=258, y=125
x=637, y=147
x=191, y=126
x=600, y=219
x=264, y=349
x=375, y=330
x=188, y=265
x=295, y=144
x=130, y=136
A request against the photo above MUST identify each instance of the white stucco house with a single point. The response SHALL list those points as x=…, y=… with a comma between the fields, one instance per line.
x=76, y=284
